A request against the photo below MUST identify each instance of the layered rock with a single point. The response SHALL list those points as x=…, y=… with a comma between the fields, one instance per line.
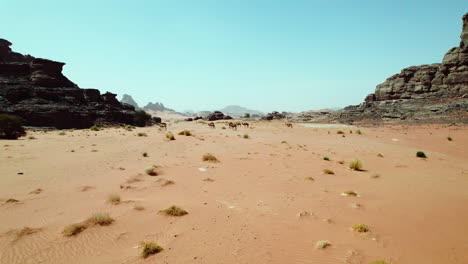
x=274, y=115
x=36, y=90
x=217, y=115
x=428, y=92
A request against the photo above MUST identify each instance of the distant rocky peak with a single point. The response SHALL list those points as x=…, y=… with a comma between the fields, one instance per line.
x=128, y=99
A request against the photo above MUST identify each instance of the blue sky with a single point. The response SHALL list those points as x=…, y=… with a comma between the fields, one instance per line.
x=263, y=54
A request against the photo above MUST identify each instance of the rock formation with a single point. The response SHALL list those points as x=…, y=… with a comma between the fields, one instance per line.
x=274, y=115
x=36, y=90
x=239, y=111
x=436, y=92
x=157, y=107
x=128, y=99
x=217, y=115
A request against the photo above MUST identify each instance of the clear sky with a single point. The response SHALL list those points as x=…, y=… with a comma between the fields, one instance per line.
x=262, y=54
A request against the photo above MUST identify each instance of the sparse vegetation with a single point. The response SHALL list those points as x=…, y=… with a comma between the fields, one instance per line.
x=358, y=132
x=208, y=180
x=322, y=244
x=11, y=200
x=449, y=138
x=327, y=171
x=102, y=219
x=210, y=158
x=170, y=136
x=94, y=128
x=25, y=231
x=380, y=155
x=31, y=137
x=223, y=127
x=139, y=208
x=326, y=158
x=145, y=154
x=185, y=133
x=355, y=165
x=149, y=248
x=309, y=178
x=62, y=133
x=284, y=142
x=142, y=134
x=421, y=154
x=174, y=211
x=151, y=171
x=246, y=136
x=361, y=228
x=74, y=229
x=114, y=199
x=340, y=162
x=11, y=127
x=129, y=127
x=339, y=132
x=350, y=193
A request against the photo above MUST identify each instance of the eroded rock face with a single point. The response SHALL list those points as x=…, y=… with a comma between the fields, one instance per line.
x=274, y=115
x=217, y=115
x=36, y=90
x=426, y=92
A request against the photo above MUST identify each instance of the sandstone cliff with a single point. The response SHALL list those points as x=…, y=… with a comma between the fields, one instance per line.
x=436, y=92
x=36, y=90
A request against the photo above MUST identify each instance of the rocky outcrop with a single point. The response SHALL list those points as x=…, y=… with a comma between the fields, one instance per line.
x=274, y=115
x=157, y=107
x=217, y=115
x=311, y=116
x=36, y=90
x=428, y=92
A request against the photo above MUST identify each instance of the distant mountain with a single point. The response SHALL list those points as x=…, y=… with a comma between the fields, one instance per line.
x=149, y=107
x=237, y=110
x=129, y=100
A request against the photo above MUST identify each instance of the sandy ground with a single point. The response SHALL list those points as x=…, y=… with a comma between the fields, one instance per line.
x=416, y=209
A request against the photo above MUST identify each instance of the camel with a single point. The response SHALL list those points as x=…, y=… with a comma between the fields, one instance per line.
x=212, y=125
x=232, y=125
x=245, y=124
x=163, y=125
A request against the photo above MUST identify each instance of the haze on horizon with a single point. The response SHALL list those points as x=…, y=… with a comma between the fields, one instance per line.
x=260, y=54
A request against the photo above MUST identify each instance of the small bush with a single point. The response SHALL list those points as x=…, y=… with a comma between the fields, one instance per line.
x=149, y=248
x=114, y=199
x=129, y=127
x=380, y=155
x=358, y=132
x=309, y=178
x=326, y=158
x=210, y=158
x=102, y=219
x=322, y=244
x=175, y=211
x=340, y=162
x=170, y=136
x=421, y=154
x=151, y=171
x=141, y=134
x=339, y=132
x=449, y=138
x=62, y=133
x=138, y=208
x=94, y=128
x=223, y=127
x=11, y=200
x=74, y=229
x=361, y=228
x=145, y=154
x=246, y=136
x=185, y=133
x=350, y=193
x=11, y=127
x=327, y=171
x=355, y=165
x=31, y=137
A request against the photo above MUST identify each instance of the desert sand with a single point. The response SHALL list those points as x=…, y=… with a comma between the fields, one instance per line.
x=247, y=207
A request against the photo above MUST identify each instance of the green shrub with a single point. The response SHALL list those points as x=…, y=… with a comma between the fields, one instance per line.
x=149, y=248
x=140, y=118
x=449, y=138
x=94, y=128
x=326, y=158
x=11, y=127
x=145, y=154
x=358, y=132
x=246, y=136
x=421, y=154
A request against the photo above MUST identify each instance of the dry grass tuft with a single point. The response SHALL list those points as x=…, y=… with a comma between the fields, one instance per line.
x=309, y=178
x=327, y=171
x=350, y=193
x=12, y=200
x=141, y=134
x=139, y=208
x=170, y=136
x=185, y=133
x=102, y=219
x=74, y=229
x=355, y=165
x=340, y=162
x=114, y=199
x=210, y=158
x=25, y=231
x=322, y=244
x=208, y=180
x=149, y=248
x=361, y=228
x=174, y=211
x=339, y=132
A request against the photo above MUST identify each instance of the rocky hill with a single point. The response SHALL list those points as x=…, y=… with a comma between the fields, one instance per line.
x=128, y=99
x=236, y=110
x=435, y=92
x=36, y=90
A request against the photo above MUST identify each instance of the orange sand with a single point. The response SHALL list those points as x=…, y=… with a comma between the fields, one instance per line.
x=416, y=209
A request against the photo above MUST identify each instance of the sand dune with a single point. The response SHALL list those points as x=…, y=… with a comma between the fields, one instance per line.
x=249, y=210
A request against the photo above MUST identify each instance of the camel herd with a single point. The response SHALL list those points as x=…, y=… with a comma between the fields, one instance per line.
x=231, y=125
